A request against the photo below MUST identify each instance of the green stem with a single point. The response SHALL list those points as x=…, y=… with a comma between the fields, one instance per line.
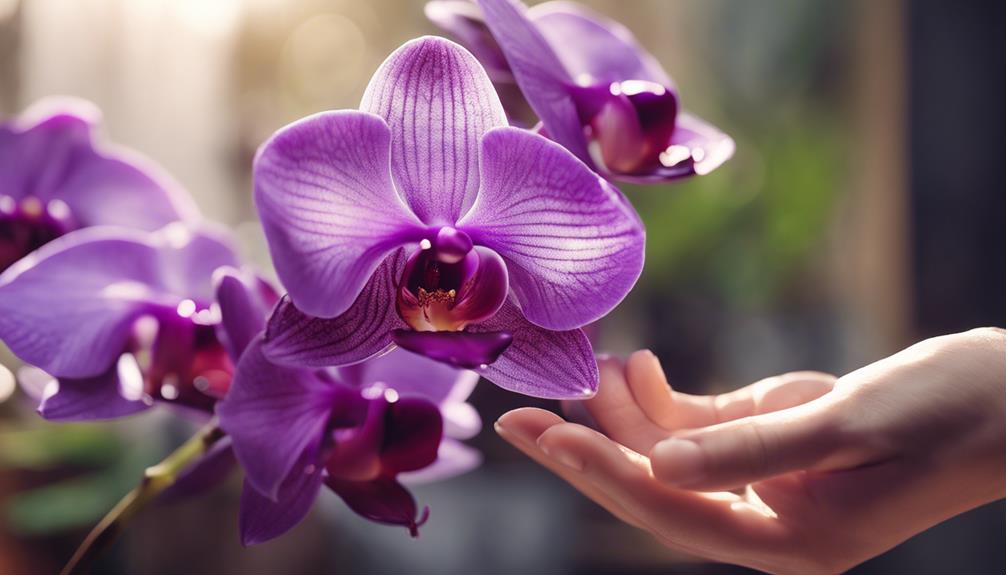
x=155, y=480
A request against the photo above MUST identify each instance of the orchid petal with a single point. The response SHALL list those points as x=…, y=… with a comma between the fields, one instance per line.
x=274, y=415
x=414, y=429
x=37, y=148
x=243, y=308
x=438, y=102
x=573, y=245
x=95, y=398
x=538, y=70
x=363, y=331
x=709, y=146
x=696, y=148
x=540, y=362
x=453, y=459
x=117, y=187
x=463, y=20
x=593, y=48
x=461, y=420
x=69, y=307
x=410, y=375
x=49, y=153
x=464, y=349
x=328, y=206
x=262, y=519
x=383, y=500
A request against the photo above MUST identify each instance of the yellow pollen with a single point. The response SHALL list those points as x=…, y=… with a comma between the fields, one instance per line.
x=436, y=296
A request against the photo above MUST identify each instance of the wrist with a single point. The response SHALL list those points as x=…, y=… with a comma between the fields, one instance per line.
x=992, y=364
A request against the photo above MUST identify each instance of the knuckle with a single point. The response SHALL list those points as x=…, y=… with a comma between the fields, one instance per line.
x=753, y=441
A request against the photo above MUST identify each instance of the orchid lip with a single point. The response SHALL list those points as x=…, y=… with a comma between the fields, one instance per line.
x=629, y=125
x=450, y=283
x=461, y=349
x=395, y=435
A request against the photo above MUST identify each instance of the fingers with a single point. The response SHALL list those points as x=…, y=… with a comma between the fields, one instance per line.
x=775, y=394
x=522, y=427
x=708, y=524
x=618, y=414
x=672, y=410
x=649, y=388
x=739, y=452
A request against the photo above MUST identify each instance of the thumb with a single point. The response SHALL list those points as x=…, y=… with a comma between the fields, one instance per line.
x=750, y=449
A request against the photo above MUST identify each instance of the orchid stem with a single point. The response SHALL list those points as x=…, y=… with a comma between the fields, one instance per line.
x=156, y=479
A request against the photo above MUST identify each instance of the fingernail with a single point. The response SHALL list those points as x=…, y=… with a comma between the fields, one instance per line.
x=513, y=432
x=679, y=461
x=562, y=456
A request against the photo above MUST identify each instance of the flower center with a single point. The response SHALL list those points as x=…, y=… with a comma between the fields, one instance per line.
x=629, y=125
x=29, y=224
x=449, y=283
x=184, y=362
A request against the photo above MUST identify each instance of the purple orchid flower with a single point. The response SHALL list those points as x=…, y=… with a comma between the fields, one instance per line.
x=54, y=178
x=357, y=430
x=121, y=318
x=594, y=88
x=424, y=221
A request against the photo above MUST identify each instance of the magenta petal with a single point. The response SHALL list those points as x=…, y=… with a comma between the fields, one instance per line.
x=96, y=398
x=262, y=519
x=411, y=375
x=69, y=307
x=244, y=305
x=463, y=21
x=383, y=500
x=121, y=188
x=49, y=152
x=453, y=458
x=593, y=48
x=486, y=291
x=329, y=208
x=695, y=148
x=414, y=428
x=538, y=70
x=573, y=245
x=709, y=146
x=355, y=454
x=37, y=147
x=274, y=415
x=295, y=338
x=438, y=102
x=461, y=419
x=458, y=348
x=540, y=362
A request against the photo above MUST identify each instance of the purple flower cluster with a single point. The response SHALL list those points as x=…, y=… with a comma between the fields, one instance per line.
x=422, y=241
x=594, y=88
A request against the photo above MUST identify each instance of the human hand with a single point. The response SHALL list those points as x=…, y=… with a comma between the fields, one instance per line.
x=833, y=472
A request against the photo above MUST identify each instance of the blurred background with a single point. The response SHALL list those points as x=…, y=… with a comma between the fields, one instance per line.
x=864, y=210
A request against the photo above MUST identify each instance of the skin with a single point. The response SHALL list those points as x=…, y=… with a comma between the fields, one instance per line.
x=799, y=473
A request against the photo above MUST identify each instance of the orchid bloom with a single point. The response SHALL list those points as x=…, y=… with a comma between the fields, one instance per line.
x=120, y=318
x=357, y=430
x=54, y=178
x=594, y=88
x=423, y=220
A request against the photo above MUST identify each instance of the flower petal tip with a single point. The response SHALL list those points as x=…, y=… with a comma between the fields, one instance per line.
x=416, y=524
